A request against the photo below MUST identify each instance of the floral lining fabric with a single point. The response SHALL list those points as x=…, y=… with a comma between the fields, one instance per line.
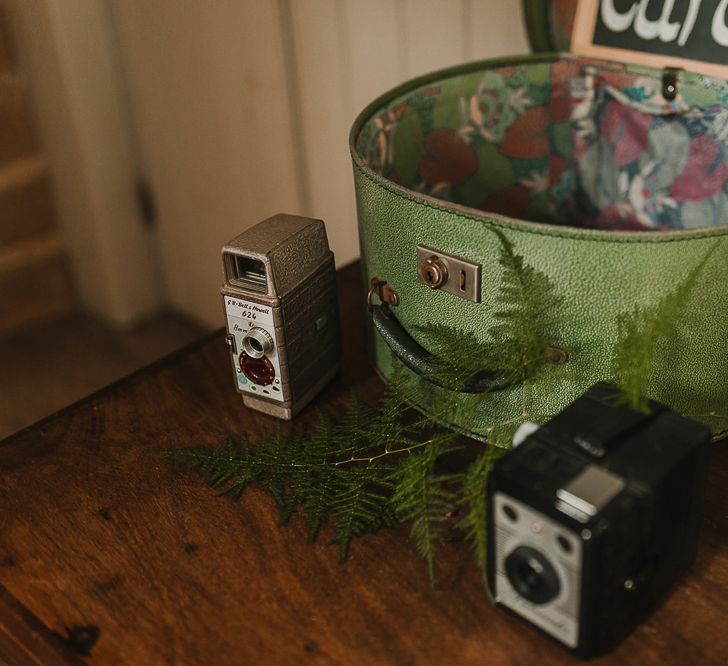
x=576, y=142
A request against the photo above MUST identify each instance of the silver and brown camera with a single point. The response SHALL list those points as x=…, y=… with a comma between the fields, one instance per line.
x=281, y=313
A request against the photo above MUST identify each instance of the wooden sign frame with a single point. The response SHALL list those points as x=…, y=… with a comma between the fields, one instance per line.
x=582, y=44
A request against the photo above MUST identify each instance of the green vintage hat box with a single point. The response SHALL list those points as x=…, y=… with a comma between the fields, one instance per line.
x=600, y=176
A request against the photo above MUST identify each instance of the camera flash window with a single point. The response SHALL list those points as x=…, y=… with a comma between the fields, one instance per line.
x=588, y=493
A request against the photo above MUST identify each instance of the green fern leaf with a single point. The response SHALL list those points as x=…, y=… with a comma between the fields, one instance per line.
x=525, y=315
x=423, y=497
x=360, y=505
x=220, y=466
x=475, y=521
x=640, y=334
x=316, y=489
x=273, y=460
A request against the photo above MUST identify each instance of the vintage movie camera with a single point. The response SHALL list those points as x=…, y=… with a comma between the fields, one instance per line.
x=594, y=516
x=281, y=311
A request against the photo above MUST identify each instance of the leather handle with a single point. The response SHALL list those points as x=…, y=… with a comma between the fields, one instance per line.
x=422, y=362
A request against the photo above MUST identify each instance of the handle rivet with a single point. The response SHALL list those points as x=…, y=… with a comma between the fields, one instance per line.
x=555, y=355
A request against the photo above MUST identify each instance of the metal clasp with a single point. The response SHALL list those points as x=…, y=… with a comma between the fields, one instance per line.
x=386, y=293
x=446, y=272
x=669, y=83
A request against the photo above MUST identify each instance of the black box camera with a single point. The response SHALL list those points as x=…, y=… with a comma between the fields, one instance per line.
x=594, y=516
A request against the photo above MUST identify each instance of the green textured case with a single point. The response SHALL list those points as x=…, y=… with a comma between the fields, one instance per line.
x=434, y=158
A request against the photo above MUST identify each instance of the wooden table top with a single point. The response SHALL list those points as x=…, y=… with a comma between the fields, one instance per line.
x=109, y=552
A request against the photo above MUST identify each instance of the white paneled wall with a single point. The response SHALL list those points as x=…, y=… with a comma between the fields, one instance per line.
x=209, y=96
x=436, y=34
x=243, y=108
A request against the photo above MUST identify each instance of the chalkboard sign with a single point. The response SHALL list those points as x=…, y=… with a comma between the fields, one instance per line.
x=692, y=34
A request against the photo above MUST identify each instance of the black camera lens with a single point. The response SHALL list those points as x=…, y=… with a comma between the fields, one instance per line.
x=532, y=575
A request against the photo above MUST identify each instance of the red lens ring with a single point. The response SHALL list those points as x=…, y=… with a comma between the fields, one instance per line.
x=257, y=370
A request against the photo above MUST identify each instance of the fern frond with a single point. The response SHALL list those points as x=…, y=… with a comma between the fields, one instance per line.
x=423, y=497
x=388, y=428
x=317, y=500
x=640, y=334
x=316, y=489
x=352, y=429
x=360, y=505
x=220, y=466
x=305, y=463
x=475, y=521
x=525, y=314
x=458, y=355
x=273, y=460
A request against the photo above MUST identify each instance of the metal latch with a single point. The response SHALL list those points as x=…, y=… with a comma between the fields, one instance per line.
x=446, y=272
x=387, y=294
x=669, y=83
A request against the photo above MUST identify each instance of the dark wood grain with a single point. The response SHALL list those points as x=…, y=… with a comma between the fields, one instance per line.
x=97, y=533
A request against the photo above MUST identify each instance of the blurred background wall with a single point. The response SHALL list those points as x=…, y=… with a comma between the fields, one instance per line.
x=35, y=281
x=216, y=114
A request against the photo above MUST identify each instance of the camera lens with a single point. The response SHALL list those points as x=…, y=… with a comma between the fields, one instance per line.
x=510, y=512
x=257, y=342
x=532, y=575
